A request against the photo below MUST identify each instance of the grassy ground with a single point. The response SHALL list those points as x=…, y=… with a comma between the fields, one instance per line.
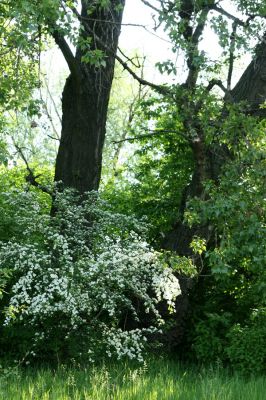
x=156, y=380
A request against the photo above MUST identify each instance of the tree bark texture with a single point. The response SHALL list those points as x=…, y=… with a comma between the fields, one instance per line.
x=85, y=99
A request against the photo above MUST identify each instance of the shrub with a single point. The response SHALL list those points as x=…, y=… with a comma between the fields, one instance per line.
x=246, y=349
x=210, y=337
x=84, y=282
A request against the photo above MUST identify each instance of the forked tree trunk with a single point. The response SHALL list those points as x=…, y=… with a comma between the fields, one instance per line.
x=85, y=98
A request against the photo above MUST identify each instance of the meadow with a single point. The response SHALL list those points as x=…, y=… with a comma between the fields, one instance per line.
x=155, y=380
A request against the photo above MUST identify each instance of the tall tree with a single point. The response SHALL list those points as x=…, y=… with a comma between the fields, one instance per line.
x=195, y=99
x=88, y=40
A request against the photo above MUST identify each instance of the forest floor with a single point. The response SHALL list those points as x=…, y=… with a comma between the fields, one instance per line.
x=156, y=380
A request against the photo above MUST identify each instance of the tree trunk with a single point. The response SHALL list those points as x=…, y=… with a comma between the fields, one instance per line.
x=86, y=97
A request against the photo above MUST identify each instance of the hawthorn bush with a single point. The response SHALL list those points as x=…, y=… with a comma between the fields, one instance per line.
x=83, y=282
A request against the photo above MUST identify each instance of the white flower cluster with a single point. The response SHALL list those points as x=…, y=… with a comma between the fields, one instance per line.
x=87, y=271
x=129, y=344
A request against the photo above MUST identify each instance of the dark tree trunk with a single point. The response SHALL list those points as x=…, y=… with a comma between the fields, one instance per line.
x=85, y=99
x=251, y=87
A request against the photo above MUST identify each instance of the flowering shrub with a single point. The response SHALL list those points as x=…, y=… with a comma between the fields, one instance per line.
x=84, y=279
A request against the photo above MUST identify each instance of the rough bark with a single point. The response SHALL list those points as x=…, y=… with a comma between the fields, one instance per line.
x=85, y=99
x=251, y=87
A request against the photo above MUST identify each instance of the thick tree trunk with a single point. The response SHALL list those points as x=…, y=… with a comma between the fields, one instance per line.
x=85, y=100
x=79, y=158
x=251, y=87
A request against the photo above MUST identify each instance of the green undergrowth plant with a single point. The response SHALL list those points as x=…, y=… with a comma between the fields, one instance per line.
x=246, y=349
x=230, y=298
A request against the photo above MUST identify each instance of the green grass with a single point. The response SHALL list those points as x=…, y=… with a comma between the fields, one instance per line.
x=157, y=380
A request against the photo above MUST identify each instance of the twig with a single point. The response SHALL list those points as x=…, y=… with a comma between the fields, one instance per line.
x=147, y=3
x=130, y=59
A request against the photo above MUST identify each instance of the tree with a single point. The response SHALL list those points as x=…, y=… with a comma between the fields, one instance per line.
x=212, y=121
x=94, y=33
x=202, y=110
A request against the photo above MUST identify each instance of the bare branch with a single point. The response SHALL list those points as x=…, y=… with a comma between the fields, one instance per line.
x=31, y=178
x=131, y=60
x=54, y=138
x=52, y=100
x=158, y=88
x=147, y=3
x=231, y=55
x=49, y=116
x=151, y=134
x=216, y=82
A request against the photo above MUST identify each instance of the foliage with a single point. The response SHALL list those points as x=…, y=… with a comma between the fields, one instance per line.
x=209, y=342
x=84, y=278
x=235, y=264
x=236, y=210
x=83, y=281
x=246, y=348
x=13, y=206
x=151, y=180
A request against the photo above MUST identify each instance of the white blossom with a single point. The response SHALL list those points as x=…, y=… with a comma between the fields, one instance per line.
x=82, y=270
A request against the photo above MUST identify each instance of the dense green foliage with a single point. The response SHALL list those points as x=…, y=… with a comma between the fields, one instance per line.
x=231, y=318
x=150, y=183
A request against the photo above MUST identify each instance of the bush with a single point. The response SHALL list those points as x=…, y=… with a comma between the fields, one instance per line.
x=84, y=282
x=233, y=280
x=246, y=349
x=14, y=199
x=210, y=337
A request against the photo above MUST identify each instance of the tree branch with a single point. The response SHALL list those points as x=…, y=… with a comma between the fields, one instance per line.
x=147, y=3
x=151, y=134
x=194, y=51
x=131, y=60
x=31, y=178
x=216, y=82
x=159, y=88
x=66, y=51
x=238, y=21
x=231, y=55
